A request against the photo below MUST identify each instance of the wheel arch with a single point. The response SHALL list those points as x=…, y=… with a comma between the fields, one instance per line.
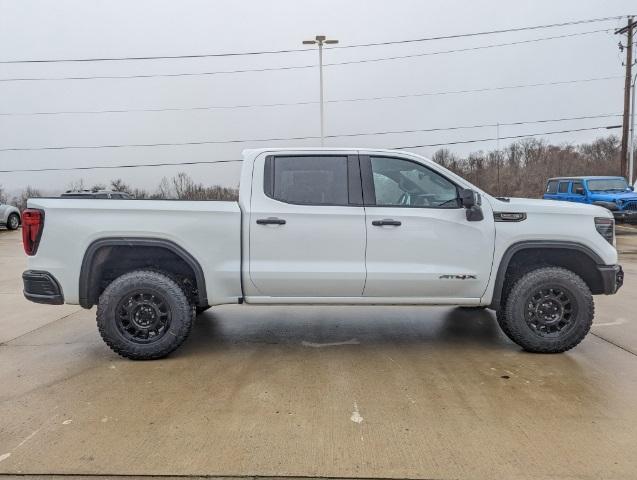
x=13, y=211
x=548, y=253
x=93, y=264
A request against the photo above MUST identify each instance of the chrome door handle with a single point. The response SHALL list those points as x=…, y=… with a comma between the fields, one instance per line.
x=386, y=221
x=270, y=221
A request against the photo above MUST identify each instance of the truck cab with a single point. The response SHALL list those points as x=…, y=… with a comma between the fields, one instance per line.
x=612, y=193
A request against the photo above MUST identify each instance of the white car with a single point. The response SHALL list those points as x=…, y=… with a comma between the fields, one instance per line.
x=324, y=226
x=9, y=216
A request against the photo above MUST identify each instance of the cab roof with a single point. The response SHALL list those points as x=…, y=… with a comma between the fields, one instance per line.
x=589, y=177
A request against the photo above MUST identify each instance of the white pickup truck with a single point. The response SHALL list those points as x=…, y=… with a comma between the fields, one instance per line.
x=324, y=226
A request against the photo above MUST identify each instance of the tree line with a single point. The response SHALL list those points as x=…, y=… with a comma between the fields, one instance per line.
x=522, y=168
x=178, y=187
x=519, y=170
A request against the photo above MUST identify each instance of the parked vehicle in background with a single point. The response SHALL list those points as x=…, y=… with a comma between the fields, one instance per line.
x=612, y=193
x=9, y=216
x=110, y=194
x=324, y=226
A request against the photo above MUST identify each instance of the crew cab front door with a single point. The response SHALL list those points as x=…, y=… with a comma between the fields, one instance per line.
x=419, y=241
x=306, y=226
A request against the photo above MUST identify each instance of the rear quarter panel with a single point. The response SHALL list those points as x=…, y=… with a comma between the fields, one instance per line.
x=208, y=230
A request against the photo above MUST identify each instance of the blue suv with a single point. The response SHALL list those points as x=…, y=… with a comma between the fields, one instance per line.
x=612, y=193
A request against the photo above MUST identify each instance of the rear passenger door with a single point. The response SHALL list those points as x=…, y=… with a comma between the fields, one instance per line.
x=563, y=190
x=307, y=226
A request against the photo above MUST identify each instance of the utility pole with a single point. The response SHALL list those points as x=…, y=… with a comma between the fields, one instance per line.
x=498, y=155
x=321, y=40
x=628, y=30
x=631, y=163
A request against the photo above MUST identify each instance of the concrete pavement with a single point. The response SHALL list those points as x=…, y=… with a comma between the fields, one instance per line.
x=373, y=392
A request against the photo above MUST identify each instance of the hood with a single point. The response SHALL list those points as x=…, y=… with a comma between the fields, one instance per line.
x=532, y=205
x=611, y=196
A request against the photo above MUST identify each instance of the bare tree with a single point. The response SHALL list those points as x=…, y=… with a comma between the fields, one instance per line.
x=76, y=185
x=3, y=195
x=140, y=193
x=20, y=201
x=523, y=167
x=118, y=185
x=164, y=190
x=183, y=185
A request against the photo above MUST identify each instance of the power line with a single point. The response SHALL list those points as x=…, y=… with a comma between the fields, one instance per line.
x=484, y=125
x=311, y=137
x=295, y=67
x=142, y=145
x=488, y=32
x=468, y=49
x=312, y=102
x=554, y=132
x=157, y=57
x=476, y=90
x=101, y=167
x=98, y=167
x=268, y=52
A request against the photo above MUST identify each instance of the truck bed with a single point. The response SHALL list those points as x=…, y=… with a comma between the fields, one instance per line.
x=209, y=230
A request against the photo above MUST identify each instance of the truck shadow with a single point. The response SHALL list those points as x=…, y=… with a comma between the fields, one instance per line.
x=330, y=326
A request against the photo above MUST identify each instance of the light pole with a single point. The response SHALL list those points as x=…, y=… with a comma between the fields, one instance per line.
x=321, y=40
x=632, y=135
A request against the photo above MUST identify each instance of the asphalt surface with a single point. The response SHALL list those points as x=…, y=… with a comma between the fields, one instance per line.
x=366, y=392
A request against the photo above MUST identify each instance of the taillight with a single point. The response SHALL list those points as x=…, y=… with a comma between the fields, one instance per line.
x=32, y=226
x=606, y=228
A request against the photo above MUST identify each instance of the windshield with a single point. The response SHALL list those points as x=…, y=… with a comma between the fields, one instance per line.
x=608, y=184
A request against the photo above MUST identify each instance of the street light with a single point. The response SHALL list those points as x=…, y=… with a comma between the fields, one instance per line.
x=321, y=40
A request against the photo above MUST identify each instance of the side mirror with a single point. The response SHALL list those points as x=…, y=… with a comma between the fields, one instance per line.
x=469, y=198
x=472, y=202
x=579, y=191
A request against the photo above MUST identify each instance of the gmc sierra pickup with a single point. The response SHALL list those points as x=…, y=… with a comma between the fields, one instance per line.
x=324, y=226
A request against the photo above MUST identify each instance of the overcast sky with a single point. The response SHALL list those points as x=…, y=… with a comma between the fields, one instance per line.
x=32, y=29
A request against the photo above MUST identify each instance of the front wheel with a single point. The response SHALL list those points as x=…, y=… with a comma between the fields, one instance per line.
x=548, y=310
x=144, y=315
x=13, y=222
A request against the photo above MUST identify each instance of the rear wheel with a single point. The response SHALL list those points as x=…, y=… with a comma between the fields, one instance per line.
x=144, y=315
x=549, y=310
x=13, y=222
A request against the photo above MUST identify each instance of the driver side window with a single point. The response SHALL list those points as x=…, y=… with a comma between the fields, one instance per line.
x=401, y=183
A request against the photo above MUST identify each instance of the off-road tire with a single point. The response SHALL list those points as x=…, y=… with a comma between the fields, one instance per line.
x=160, y=288
x=13, y=222
x=577, y=297
x=499, y=315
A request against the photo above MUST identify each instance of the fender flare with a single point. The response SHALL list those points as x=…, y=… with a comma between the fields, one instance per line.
x=534, y=244
x=87, y=282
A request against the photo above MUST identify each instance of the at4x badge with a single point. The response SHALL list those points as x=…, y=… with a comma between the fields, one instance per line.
x=459, y=277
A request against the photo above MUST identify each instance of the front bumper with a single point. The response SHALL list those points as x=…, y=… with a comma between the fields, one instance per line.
x=625, y=215
x=612, y=278
x=42, y=287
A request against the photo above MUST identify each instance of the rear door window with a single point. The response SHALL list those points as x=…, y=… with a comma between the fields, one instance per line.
x=308, y=180
x=563, y=188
